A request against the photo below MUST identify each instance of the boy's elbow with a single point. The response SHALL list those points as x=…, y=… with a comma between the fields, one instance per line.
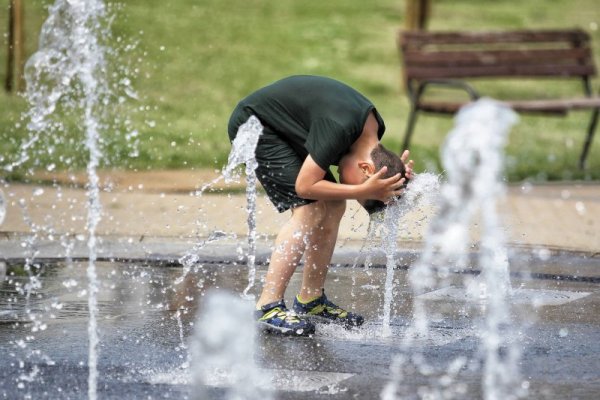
x=302, y=189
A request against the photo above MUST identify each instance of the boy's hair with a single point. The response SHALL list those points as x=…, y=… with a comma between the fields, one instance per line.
x=382, y=157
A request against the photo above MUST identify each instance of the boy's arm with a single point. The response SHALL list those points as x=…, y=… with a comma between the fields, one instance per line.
x=311, y=185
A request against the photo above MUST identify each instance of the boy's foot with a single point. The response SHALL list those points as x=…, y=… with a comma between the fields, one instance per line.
x=323, y=310
x=276, y=318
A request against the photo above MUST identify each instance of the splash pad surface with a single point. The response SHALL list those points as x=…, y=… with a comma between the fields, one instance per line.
x=143, y=345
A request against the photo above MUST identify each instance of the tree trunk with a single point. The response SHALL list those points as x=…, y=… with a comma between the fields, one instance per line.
x=417, y=14
x=16, y=47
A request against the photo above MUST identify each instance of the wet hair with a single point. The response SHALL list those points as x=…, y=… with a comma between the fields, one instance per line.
x=382, y=157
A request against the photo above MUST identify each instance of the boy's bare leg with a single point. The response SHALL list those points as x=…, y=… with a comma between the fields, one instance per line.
x=289, y=248
x=320, y=245
x=316, y=225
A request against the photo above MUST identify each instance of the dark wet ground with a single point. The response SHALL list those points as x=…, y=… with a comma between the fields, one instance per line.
x=142, y=355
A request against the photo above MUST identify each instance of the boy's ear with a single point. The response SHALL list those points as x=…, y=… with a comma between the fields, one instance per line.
x=367, y=168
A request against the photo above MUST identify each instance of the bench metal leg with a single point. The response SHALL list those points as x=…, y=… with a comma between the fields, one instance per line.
x=412, y=119
x=588, y=138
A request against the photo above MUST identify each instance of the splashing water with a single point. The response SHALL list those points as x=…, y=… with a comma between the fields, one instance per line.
x=2, y=207
x=223, y=348
x=243, y=148
x=243, y=152
x=368, y=245
x=421, y=193
x=473, y=158
x=192, y=257
x=2, y=271
x=68, y=71
x=390, y=223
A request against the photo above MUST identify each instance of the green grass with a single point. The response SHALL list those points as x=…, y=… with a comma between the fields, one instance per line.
x=196, y=59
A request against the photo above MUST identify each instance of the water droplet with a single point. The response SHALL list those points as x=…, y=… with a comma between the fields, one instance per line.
x=69, y=283
x=2, y=207
x=543, y=254
x=527, y=187
x=564, y=332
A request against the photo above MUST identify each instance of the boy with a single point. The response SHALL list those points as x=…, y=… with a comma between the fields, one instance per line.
x=311, y=123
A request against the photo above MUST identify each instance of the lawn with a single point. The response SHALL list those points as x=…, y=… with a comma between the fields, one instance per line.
x=194, y=60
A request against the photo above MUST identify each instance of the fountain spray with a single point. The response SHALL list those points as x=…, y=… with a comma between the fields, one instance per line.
x=2, y=207
x=68, y=72
x=420, y=194
x=220, y=352
x=243, y=152
x=473, y=159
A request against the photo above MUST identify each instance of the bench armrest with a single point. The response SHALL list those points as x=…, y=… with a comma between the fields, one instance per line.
x=452, y=83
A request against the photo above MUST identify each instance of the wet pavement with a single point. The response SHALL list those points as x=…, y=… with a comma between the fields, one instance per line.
x=147, y=312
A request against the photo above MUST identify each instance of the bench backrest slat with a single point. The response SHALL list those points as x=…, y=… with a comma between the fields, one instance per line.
x=440, y=55
x=420, y=38
x=497, y=57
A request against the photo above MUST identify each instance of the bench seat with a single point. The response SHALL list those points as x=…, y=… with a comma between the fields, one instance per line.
x=554, y=106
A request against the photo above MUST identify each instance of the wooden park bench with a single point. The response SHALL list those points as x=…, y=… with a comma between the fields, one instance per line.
x=448, y=59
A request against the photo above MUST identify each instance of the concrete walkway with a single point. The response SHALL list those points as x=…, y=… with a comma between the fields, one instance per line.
x=162, y=204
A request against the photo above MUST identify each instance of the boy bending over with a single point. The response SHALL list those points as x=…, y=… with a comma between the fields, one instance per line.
x=311, y=123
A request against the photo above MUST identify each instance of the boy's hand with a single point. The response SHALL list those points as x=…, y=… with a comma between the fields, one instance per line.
x=408, y=165
x=383, y=189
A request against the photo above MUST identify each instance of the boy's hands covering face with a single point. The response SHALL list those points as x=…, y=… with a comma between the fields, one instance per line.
x=383, y=189
x=386, y=189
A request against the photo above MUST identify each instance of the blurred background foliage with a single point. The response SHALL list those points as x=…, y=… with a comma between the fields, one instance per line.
x=190, y=62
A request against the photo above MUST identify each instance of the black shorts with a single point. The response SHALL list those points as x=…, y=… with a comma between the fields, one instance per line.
x=278, y=165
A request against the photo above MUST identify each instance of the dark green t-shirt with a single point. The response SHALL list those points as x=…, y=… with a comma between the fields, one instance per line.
x=316, y=115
